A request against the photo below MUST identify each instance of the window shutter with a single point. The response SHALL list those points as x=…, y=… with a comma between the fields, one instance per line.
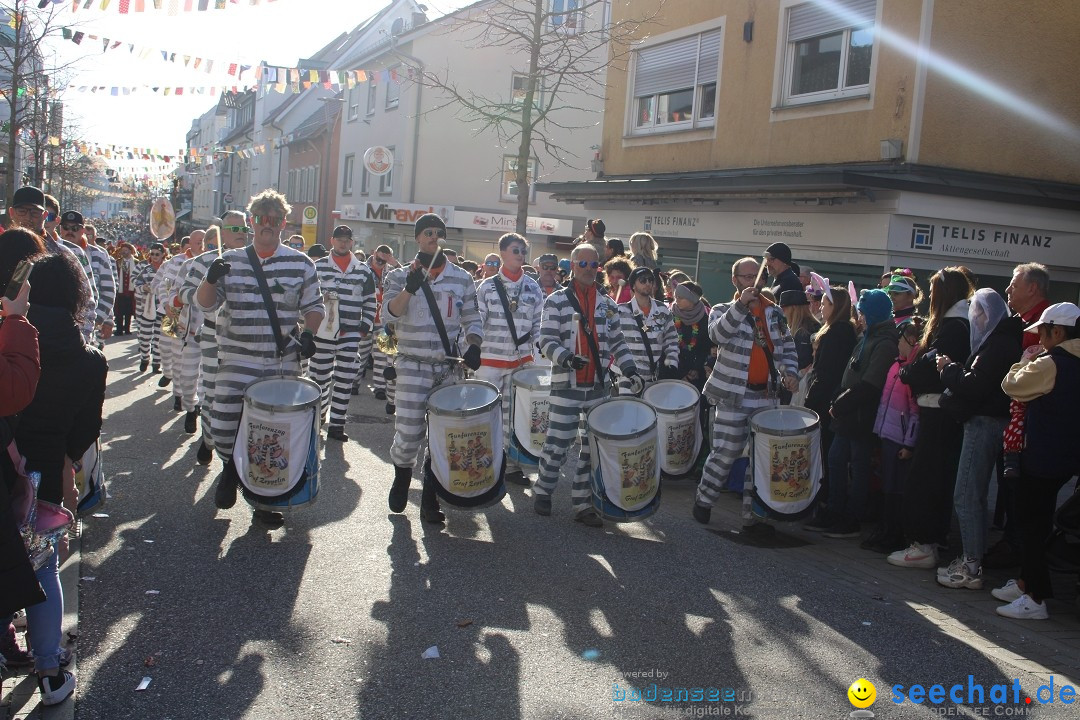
x=811, y=19
x=666, y=67
x=709, y=57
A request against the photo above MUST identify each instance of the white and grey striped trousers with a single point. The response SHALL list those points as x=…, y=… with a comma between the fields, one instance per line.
x=730, y=430
x=566, y=420
x=187, y=374
x=170, y=349
x=148, y=338
x=208, y=365
x=382, y=361
x=415, y=381
x=335, y=360
x=234, y=374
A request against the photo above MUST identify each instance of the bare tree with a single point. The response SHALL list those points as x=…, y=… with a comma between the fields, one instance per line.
x=566, y=47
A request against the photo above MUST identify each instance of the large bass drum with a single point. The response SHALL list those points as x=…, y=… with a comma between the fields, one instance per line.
x=465, y=446
x=678, y=421
x=530, y=395
x=276, y=455
x=625, y=457
x=785, y=460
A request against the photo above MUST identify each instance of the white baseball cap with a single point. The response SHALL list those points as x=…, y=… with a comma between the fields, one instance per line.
x=1065, y=314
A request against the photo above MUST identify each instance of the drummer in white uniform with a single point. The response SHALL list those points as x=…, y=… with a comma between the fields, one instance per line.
x=248, y=345
x=508, y=343
x=580, y=354
x=649, y=331
x=423, y=349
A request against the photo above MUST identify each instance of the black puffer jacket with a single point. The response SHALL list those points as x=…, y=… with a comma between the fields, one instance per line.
x=953, y=340
x=975, y=386
x=832, y=356
x=64, y=418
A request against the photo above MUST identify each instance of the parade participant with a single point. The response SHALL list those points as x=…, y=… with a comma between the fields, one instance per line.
x=73, y=229
x=511, y=304
x=233, y=234
x=168, y=282
x=905, y=294
x=189, y=323
x=616, y=274
x=252, y=342
x=426, y=329
x=690, y=314
x=491, y=266
x=381, y=262
x=756, y=356
x=348, y=288
x=778, y=261
x=147, y=318
x=649, y=331
x=594, y=232
x=578, y=376
x=548, y=280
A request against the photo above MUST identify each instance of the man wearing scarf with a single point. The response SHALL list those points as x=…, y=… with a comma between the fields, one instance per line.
x=757, y=354
x=577, y=380
x=125, y=288
x=147, y=319
x=648, y=330
x=421, y=364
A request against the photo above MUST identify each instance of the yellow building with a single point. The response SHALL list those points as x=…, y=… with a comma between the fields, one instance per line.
x=865, y=134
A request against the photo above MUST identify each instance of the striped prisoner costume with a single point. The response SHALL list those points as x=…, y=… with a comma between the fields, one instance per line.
x=659, y=327
x=246, y=349
x=102, y=265
x=566, y=413
x=166, y=283
x=337, y=357
x=88, y=270
x=186, y=378
x=367, y=344
x=420, y=362
x=499, y=355
x=732, y=328
x=147, y=318
x=205, y=339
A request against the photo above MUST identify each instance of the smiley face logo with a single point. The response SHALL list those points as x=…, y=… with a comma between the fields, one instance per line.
x=862, y=693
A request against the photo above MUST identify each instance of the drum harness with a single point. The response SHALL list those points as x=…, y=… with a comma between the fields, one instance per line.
x=264, y=289
x=451, y=357
x=593, y=349
x=644, y=337
x=501, y=291
x=759, y=339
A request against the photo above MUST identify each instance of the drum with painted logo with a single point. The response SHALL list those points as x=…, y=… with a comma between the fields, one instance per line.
x=465, y=445
x=678, y=421
x=785, y=460
x=530, y=394
x=625, y=457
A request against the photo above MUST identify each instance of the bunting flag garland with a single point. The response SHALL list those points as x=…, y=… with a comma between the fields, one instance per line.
x=171, y=8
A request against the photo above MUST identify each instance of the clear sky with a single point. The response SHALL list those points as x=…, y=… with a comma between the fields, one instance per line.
x=279, y=32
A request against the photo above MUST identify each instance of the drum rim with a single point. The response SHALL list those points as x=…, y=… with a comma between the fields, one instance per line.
x=665, y=411
x=621, y=436
x=271, y=407
x=463, y=413
x=531, y=386
x=785, y=433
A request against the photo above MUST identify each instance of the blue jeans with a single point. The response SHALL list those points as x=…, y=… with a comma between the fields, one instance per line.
x=978, y=456
x=44, y=621
x=847, y=497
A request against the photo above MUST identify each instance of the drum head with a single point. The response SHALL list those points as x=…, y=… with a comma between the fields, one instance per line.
x=621, y=418
x=532, y=377
x=283, y=393
x=784, y=421
x=671, y=396
x=466, y=397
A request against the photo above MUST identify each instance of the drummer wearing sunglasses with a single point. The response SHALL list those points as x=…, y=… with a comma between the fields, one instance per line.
x=580, y=349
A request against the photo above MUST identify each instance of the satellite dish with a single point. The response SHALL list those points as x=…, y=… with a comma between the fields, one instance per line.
x=397, y=27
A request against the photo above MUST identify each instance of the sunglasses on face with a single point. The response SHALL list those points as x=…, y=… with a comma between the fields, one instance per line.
x=492, y=263
x=236, y=228
x=434, y=233
x=586, y=263
x=651, y=281
x=549, y=268
x=50, y=217
x=379, y=261
x=517, y=250
x=267, y=220
x=71, y=228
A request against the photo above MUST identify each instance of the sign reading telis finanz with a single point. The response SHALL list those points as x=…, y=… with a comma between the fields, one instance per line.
x=978, y=241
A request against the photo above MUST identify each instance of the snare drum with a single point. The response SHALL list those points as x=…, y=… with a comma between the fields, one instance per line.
x=530, y=395
x=276, y=454
x=785, y=460
x=625, y=458
x=465, y=446
x=679, y=424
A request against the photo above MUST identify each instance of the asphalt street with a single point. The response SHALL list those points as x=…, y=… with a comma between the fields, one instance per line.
x=532, y=617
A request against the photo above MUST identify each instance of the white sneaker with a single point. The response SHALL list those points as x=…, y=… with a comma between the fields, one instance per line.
x=952, y=568
x=1024, y=608
x=916, y=556
x=55, y=689
x=1008, y=592
x=962, y=577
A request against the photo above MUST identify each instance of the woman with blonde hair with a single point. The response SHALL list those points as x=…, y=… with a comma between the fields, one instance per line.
x=643, y=250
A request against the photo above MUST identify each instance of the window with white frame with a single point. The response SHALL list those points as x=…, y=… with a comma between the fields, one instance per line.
x=301, y=195
x=365, y=180
x=354, y=102
x=829, y=51
x=509, y=190
x=566, y=15
x=292, y=184
x=386, y=182
x=347, y=176
x=519, y=88
x=393, y=88
x=371, y=88
x=675, y=84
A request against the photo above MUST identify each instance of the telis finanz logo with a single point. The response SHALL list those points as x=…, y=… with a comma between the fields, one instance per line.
x=922, y=236
x=647, y=225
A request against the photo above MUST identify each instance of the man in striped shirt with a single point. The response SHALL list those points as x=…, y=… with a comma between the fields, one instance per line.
x=577, y=380
x=147, y=314
x=381, y=262
x=422, y=362
x=649, y=331
x=189, y=321
x=756, y=355
x=75, y=231
x=507, y=349
x=348, y=288
x=247, y=346
x=165, y=284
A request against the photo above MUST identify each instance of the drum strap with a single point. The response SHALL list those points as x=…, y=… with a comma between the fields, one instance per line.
x=644, y=338
x=593, y=349
x=429, y=295
x=257, y=269
x=774, y=375
x=509, y=315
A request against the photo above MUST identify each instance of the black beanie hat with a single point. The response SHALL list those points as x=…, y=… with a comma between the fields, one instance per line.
x=428, y=220
x=780, y=251
x=638, y=273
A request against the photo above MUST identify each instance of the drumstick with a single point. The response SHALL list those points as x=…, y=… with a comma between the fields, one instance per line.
x=574, y=345
x=760, y=271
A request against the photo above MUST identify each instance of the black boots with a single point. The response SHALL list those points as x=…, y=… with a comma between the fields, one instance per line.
x=225, y=493
x=429, y=504
x=399, y=491
x=888, y=536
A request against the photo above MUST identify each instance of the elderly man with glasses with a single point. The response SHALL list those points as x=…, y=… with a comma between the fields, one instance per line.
x=380, y=262
x=580, y=353
x=232, y=235
x=250, y=344
x=74, y=230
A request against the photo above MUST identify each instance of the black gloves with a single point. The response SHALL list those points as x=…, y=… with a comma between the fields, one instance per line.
x=575, y=362
x=669, y=372
x=472, y=357
x=413, y=280
x=389, y=373
x=307, y=343
x=217, y=270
